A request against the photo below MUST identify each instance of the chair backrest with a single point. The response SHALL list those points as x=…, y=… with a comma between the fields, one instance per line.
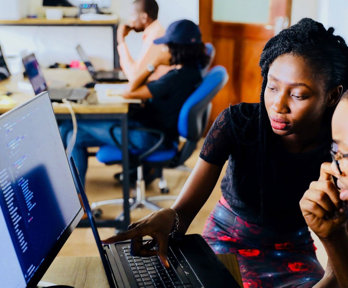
x=195, y=112
x=210, y=51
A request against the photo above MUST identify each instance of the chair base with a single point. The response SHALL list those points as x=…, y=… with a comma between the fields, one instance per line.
x=140, y=201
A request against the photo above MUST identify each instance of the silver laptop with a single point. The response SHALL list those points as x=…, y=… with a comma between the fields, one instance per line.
x=100, y=76
x=39, y=84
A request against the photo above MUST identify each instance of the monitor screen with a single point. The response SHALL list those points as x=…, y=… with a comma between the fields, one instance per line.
x=35, y=75
x=39, y=206
x=77, y=3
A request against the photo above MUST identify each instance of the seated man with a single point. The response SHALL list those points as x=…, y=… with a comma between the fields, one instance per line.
x=145, y=14
x=163, y=98
x=325, y=205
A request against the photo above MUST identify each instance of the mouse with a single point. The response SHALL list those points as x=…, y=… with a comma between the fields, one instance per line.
x=89, y=85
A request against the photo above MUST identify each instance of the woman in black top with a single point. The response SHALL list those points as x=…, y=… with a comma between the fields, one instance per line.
x=274, y=150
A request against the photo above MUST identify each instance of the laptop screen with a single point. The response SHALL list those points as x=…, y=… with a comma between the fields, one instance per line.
x=35, y=75
x=39, y=206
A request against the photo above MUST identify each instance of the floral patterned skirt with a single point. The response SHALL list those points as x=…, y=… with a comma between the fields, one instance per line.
x=266, y=258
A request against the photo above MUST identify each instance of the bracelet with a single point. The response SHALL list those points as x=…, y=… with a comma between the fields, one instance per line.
x=175, y=228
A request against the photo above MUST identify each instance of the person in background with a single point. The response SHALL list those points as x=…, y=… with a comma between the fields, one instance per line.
x=324, y=206
x=274, y=150
x=144, y=19
x=163, y=98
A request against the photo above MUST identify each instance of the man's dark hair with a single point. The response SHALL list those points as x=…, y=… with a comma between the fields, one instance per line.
x=188, y=54
x=150, y=7
x=325, y=52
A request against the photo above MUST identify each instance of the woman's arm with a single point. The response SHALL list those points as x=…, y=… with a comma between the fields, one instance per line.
x=195, y=192
x=144, y=73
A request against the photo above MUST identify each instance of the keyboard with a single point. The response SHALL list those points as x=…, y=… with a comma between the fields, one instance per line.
x=149, y=272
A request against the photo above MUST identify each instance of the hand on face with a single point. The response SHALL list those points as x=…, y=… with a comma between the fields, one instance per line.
x=122, y=32
x=321, y=206
x=158, y=225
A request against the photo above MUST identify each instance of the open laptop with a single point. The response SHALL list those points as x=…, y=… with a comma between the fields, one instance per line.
x=40, y=207
x=39, y=84
x=100, y=76
x=38, y=210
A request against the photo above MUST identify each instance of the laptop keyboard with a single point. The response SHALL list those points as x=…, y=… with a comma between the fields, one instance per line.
x=149, y=271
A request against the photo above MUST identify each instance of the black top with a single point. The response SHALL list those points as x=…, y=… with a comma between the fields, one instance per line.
x=168, y=95
x=286, y=176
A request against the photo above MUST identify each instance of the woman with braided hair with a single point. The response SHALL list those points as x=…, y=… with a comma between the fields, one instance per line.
x=274, y=150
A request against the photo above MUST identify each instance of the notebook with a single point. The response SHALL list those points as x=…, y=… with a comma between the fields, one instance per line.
x=38, y=211
x=39, y=84
x=100, y=76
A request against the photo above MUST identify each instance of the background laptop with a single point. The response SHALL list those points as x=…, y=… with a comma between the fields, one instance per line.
x=100, y=76
x=38, y=211
x=39, y=84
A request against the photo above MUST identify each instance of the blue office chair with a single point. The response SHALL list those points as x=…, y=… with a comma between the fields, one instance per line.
x=210, y=51
x=192, y=122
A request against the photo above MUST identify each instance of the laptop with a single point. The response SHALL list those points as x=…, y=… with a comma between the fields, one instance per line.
x=38, y=211
x=39, y=84
x=100, y=76
x=40, y=207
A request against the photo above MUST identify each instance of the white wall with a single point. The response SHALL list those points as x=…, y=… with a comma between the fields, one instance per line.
x=329, y=12
x=57, y=44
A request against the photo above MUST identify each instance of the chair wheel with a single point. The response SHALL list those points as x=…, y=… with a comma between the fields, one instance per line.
x=97, y=213
x=164, y=190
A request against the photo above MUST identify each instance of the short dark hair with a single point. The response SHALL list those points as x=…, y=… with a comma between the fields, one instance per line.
x=150, y=7
x=188, y=54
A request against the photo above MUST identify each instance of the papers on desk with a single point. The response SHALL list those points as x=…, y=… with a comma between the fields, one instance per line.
x=111, y=93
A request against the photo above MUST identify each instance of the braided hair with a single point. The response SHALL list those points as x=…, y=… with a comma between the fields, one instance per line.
x=325, y=52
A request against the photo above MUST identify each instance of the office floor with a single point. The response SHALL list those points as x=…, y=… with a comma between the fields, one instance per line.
x=100, y=185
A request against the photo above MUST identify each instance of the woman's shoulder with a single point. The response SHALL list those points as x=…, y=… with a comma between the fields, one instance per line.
x=242, y=114
x=242, y=120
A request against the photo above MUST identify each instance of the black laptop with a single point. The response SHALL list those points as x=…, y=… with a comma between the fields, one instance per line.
x=100, y=76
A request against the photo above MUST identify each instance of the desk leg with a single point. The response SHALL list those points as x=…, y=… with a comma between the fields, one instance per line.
x=125, y=165
x=114, y=45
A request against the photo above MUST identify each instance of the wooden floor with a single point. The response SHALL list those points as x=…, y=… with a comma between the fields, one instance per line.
x=101, y=185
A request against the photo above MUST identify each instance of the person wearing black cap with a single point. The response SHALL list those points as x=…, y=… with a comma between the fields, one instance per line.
x=162, y=98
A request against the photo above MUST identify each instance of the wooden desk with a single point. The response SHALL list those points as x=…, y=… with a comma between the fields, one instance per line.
x=88, y=272
x=70, y=22
x=83, y=111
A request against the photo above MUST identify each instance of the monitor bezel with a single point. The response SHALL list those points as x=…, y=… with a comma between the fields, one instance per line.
x=39, y=273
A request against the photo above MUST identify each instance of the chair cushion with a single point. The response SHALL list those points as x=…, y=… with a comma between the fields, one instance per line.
x=111, y=154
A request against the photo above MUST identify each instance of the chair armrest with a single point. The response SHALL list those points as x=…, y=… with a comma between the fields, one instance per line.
x=148, y=130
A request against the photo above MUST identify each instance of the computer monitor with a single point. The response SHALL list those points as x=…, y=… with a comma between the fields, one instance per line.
x=77, y=3
x=39, y=206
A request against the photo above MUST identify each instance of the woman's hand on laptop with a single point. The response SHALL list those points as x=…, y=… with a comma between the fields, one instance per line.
x=321, y=205
x=158, y=225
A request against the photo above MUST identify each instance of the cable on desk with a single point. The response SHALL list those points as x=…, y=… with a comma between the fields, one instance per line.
x=72, y=140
